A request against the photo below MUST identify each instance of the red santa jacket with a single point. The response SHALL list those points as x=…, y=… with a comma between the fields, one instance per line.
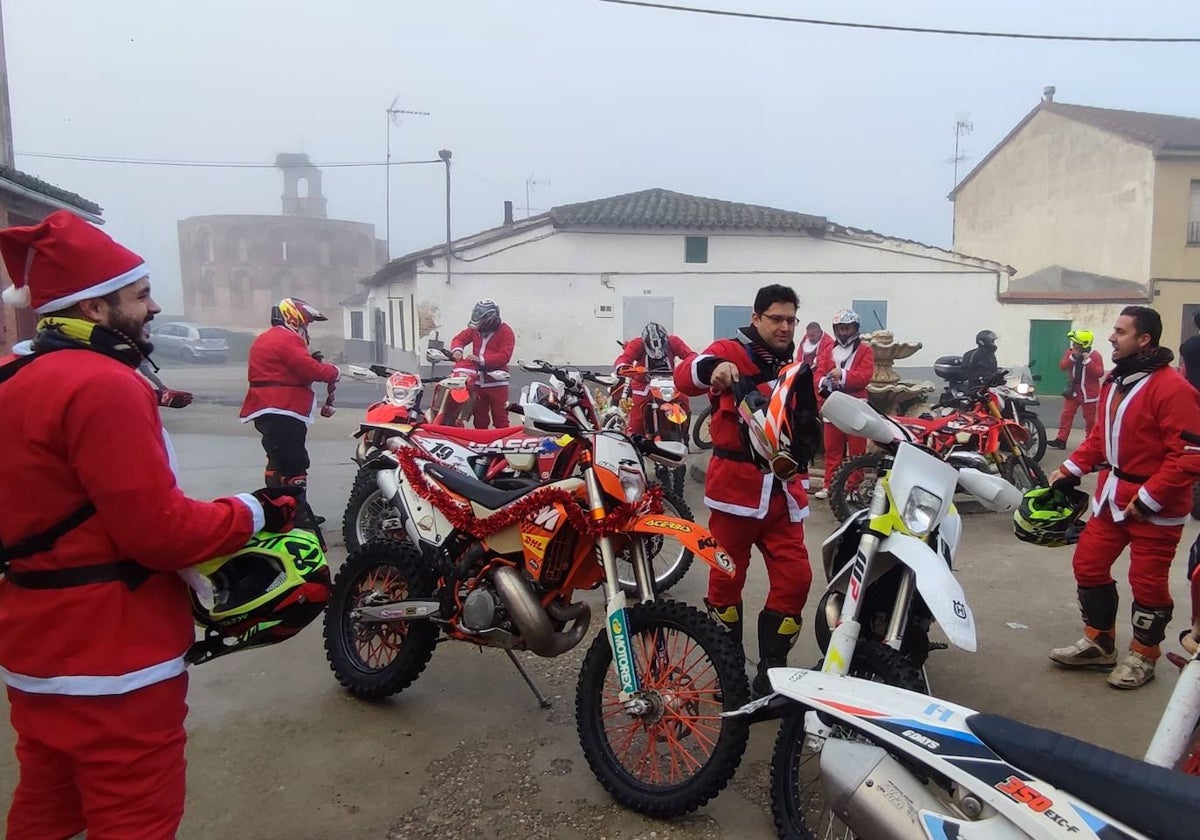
x=1093, y=371
x=856, y=362
x=808, y=352
x=736, y=486
x=281, y=373
x=1145, y=444
x=494, y=351
x=635, y=354
x=76, y=427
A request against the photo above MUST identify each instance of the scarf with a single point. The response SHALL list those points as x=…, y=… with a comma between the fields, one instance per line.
x=768, y=359
x=59, y=333
x=1129, y=371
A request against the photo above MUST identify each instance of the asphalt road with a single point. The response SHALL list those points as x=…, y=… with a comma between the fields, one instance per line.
x=278, y=750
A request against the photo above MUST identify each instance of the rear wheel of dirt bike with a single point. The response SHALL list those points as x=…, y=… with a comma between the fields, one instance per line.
x=702, y=429
x=1037, y=435
x=376, y=659
x=797, y=795
x=669, y=558
x=365, y=511
x=854, y=484
x=679, y=753
x=1014, y=472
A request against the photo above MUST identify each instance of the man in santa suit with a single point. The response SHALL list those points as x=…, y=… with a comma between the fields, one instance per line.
x=491, y=342
x=94, y=619
x=281, y=400
x=846, y=365
x=747, y=507
x=816, y=341
x=659, y=351
x=1146, y=447
x=1085, y=369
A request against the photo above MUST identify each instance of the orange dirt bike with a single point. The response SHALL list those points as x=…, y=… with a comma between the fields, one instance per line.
x=502, y=568
x=666, y=415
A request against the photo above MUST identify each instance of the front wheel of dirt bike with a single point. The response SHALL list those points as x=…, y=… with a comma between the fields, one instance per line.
x=365, y=511
x=376, y=659
x=797, y=793
x=669, y=558
x=674, y=752
x=853, y=486
x=702, y=430
x=1015, y=473
x=1037, y=435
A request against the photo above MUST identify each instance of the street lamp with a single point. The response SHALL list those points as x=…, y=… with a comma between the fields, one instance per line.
x=444, y=154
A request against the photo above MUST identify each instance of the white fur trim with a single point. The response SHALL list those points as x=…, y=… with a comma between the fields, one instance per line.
x=256, y=510
x=695, y=376
x=99, y=290
x=1071, y=467
x=1149, y=501
x=16, y=296
x=764, y=502
x=92, y=686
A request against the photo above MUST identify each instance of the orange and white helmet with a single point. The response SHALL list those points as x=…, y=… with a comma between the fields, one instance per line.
x=295, y=314
x=404, y=390
x=782, y=429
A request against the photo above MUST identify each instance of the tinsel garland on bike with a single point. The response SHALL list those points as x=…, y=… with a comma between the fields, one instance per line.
x=463, y=518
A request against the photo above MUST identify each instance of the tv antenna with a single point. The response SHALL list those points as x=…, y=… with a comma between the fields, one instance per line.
x=394, y=115
x=962, y=126
x=531, y=185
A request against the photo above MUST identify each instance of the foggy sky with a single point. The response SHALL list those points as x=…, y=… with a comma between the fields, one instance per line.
x=594, y=98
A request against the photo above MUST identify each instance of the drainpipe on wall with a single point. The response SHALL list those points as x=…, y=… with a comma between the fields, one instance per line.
x=444, y=154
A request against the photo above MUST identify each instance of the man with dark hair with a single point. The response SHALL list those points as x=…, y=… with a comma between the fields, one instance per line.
x=1146, y=446
x=750, y=508
x=1189, y=355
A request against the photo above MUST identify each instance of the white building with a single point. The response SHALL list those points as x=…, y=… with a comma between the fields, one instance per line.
x=574, y=280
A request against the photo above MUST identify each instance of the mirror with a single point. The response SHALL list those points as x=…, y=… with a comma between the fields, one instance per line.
x=992, y=491
x=855, y=417
x=360, y=372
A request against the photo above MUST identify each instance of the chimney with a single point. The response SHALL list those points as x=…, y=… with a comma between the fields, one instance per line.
x=508, y=217
x=1048, y=93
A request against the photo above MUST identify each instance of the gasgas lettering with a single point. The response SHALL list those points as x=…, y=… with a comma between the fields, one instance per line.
x=508, y=446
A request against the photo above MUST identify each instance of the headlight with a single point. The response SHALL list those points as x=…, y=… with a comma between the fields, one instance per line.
x=667, y=392
x=633, y=482
x=1024, y=388
x=920, y=511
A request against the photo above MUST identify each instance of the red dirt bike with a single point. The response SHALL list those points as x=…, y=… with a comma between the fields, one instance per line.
x=666, y=416
x=501, y=568
x=977, y=426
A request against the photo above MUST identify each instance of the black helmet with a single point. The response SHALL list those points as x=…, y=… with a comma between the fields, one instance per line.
x=485, y=317
x=985, y=338
x=1049, y=516
x=655, y=338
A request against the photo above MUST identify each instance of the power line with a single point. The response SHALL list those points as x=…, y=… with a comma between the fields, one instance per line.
x=884, y=27
x=212, y=164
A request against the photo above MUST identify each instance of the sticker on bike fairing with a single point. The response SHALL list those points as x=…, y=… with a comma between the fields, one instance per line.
x=669, y=524
x=1101, y=827
x=622, y=649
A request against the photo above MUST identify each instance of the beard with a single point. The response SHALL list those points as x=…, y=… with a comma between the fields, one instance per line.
x=132, y=328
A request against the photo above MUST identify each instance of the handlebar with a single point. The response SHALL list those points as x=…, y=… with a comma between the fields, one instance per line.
x=562, y=374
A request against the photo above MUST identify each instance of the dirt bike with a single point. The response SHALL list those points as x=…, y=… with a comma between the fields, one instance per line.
x=975, y=427
x=890, y=568
x=854, y=758
x=1016, y=397
x=666, y=416
x=702, y=429
x=500, y=568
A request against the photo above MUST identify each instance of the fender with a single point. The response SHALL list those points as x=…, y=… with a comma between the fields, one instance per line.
x=696, y=537
x=941, y=590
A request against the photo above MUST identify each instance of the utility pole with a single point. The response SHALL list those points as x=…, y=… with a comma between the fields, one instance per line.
x=394, y=113
x=7, y=157
x=961, y=126
x=445, y=155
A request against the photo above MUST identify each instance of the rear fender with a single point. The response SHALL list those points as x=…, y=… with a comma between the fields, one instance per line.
x=697, y=538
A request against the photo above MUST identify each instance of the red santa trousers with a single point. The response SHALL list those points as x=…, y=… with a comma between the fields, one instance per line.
x=491, y=406
x=113, y=765
x=835, y=441
x=1151, y=550
x=781, y=542
x=1068, y=417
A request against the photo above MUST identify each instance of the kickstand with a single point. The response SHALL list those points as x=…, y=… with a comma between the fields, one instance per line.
x=541, y=698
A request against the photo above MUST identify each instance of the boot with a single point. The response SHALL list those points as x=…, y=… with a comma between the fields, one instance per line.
x=730, y=618
x=306, y=519
x=1149, y=628
x=1097, y=648
x=777, y=633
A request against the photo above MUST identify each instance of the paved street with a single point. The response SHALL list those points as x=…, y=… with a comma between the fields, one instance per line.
x=277, y=750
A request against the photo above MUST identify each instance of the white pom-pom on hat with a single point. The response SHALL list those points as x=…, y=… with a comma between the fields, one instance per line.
x=17, y=296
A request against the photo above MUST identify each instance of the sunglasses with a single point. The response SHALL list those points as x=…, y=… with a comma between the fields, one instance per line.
x=780, y=320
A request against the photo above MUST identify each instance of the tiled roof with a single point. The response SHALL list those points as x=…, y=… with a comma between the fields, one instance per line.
x=1162, y=131
x=31, y=182
x=1057, y=283
x=659, y=208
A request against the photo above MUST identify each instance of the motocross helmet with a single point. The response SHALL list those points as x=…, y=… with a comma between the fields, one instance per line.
x=843, y=317
x=985, y=338
x=263, y=593
x=1083, y=338
x=404, y=390
x=296, y=315
x=782, y=429
x=1049, y=516
x=655, y=340
x=485, y=317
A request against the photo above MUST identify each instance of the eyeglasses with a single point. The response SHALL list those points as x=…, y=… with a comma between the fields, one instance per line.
x=780, y=320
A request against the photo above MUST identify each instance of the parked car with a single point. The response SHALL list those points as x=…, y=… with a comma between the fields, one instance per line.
x=191, y=342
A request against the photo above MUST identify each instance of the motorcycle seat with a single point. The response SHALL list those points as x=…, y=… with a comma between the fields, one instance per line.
x=473, y=435
x=492, y=498
x=1158, y=802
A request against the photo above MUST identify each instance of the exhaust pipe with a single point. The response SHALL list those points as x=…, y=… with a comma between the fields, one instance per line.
x=872, y=793
x=534, y=621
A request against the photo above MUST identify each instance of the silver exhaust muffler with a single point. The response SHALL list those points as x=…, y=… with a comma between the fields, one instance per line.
x=534, y=621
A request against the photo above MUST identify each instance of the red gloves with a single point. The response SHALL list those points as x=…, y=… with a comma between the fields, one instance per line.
x=279, y=508
x=169, y=398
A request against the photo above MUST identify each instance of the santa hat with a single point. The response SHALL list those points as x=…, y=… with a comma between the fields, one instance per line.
x=63, y=260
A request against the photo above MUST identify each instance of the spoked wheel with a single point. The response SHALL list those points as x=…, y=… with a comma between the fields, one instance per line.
x=853, y=486
x=669, y=558
x=365, y=512
x=376, y=659
x=1037, y=436
x=667, y=751
x=702, y=430
x=798, y=800
x=1015, y=473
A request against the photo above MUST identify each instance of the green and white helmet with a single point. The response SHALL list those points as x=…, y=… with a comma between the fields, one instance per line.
x=1049, y=516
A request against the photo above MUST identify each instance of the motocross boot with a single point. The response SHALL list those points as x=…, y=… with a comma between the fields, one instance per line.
x=1149, y=628
x=777, y=634
x=730, y=618
x=298, y=485
x=1098, y=647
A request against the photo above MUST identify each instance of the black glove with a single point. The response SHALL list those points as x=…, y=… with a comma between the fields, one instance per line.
x=318, y=355
x=279, y=508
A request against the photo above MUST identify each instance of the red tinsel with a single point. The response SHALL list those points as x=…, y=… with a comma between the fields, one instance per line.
x=463, y=518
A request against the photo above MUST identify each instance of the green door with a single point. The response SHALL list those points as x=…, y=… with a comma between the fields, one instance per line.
x=1047, y=341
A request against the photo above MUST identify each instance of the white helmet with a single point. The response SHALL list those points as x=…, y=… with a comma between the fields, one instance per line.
x=846, y=316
